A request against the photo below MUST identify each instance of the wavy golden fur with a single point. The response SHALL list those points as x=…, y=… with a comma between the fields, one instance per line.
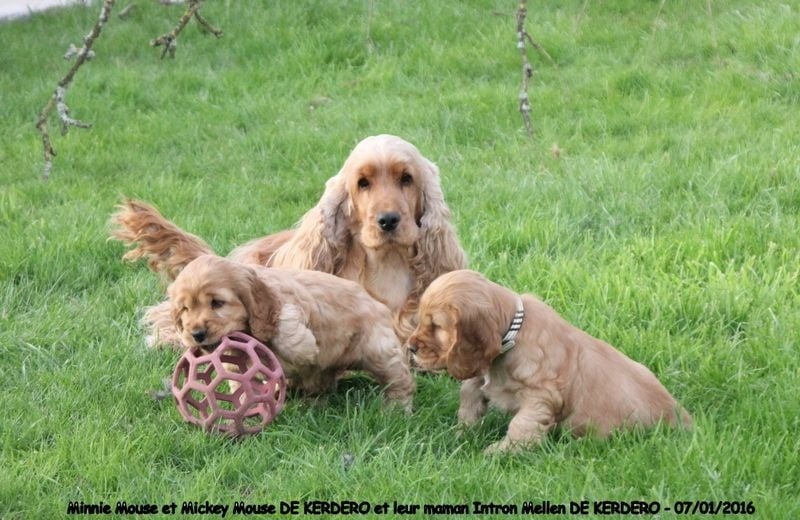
x=382, y=221
x=555, y=373
x=317, y=324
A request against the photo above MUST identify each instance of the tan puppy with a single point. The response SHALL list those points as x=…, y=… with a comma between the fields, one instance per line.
x=518, y=354
x=317, y=324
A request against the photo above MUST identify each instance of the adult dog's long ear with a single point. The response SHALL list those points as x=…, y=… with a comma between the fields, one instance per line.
x=261, y=303
x=438, y=249
x=321, y=240
x=475, y=345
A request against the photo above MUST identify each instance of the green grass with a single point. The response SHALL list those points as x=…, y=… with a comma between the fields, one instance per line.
x=668, y=226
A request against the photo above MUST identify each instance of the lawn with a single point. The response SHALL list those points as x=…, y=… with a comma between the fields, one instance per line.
x=656, y=206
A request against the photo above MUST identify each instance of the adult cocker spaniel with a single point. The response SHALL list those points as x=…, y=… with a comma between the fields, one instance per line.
x=518, y=354
x=382, y=222
x=317, y=324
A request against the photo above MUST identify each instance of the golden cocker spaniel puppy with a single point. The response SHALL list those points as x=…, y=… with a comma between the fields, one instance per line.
x=318, y=325
x=382, y=222
x=518, y=354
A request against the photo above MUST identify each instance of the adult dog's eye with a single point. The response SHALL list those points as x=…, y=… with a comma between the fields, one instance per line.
x=363, y=183
x=216, y=304
x=406, y=179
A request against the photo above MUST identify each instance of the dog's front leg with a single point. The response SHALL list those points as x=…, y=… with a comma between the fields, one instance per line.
x=527, y=427
x=385, y=359
x=473, y=403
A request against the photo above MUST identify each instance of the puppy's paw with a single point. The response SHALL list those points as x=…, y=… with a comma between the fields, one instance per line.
x=495, y=448
x=469, y=417
x=397, y=405
x=462, y=428
x=506, y=446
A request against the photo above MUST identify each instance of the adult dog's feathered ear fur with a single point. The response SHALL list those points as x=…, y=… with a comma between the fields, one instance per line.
x=438, y=250
x=320, y=242
x=261, y=303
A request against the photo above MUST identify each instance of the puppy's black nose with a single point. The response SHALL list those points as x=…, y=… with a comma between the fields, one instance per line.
x=389, y=220
x=412, y=347
x=199, y=335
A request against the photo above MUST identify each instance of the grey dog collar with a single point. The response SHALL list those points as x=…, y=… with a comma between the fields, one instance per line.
x=509, y=340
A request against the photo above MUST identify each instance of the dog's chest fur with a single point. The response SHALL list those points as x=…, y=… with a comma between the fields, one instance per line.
x=515, y=378
x=388, y=277
x=501, y=390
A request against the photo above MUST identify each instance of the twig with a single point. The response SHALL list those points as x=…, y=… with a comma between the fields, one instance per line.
x=541, y=50
x=170, y=39
x=73, y=51
x=63, y=112
x=527, y=69
x=56, y=100
x=204, y=25
x=126, y=11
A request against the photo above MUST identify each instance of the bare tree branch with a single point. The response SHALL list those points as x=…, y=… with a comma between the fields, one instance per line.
x=85, y=53
x=527, y=69
x=170, y=40
x=204, y=25
x=57, y=101
x=63, y=112
x=73, y=51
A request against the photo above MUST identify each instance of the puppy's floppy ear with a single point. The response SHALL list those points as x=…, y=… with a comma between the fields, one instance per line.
x=475, y=345
x=175, y=310
x=175, y=314
x=321, y=239
x=261, y=304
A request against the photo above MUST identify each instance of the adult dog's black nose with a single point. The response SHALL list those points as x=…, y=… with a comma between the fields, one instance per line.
x=389, y=220
x=199, y=335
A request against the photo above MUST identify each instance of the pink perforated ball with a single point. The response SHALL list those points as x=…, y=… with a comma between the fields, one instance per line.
x=237, y=389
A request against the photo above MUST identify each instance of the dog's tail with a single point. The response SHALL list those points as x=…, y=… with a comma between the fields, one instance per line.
x=167, y=248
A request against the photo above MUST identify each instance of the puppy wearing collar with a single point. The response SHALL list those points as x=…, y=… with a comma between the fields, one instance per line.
x=516, y=353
